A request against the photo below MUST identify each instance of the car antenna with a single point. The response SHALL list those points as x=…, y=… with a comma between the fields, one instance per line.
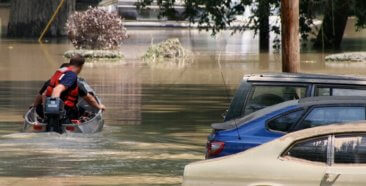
x=227, y=93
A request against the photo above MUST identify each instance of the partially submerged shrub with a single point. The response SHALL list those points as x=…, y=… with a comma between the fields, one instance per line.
x=95, y=54
x=169, y=49
x=95, y=28
x=177, y=63
x=347, y=57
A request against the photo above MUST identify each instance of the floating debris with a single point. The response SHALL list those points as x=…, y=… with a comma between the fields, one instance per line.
x=169, y=49
x=347, y=57
x=95, y=54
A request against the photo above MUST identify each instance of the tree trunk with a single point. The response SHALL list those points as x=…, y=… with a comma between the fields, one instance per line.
x=28, y=18
x=290, y=35
x=264, y=11
x=334, y=23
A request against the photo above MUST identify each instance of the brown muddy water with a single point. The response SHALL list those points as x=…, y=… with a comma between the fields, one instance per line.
x=158, y=116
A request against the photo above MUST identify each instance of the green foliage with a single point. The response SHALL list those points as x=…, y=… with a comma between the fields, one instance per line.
x=360, y=13
x=217, y=15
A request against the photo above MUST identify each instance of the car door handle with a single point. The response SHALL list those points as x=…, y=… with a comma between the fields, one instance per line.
x=329, y=178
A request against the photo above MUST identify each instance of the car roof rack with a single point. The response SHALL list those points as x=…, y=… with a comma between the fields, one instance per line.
x=305, y=78
x=333, y=99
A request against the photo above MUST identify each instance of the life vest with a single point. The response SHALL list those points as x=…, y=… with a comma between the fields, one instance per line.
x=71, y=97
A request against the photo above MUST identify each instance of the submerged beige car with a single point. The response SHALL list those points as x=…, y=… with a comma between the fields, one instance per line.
x=330, y=155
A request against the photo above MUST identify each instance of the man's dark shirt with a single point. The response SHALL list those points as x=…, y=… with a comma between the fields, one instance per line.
x=69, y=79
x=82, y=91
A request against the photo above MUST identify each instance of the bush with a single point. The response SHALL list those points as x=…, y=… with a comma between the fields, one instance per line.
x=95, y=54
x=168, y=49
x=95, y=28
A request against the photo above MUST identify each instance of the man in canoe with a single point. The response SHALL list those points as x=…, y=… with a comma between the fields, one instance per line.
x=63, y=84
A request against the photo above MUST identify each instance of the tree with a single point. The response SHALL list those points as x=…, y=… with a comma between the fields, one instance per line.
x=28, y=18
x=219, y=15
x=264, y=27
x=360, y=12
x=334, y=24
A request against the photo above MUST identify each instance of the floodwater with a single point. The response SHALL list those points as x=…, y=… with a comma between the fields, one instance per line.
x=158, y=115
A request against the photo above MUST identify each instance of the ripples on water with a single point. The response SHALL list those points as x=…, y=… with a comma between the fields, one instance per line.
x=151, y=132
x=158, y=116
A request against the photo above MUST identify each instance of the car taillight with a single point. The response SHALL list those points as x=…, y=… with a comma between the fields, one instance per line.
x=70, y=128
x=38, y=127
x=214, y=148
x=75, y=121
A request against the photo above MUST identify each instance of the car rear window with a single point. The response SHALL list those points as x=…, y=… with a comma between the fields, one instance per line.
x=262, y=96
x=289, y=105
x=285, y=122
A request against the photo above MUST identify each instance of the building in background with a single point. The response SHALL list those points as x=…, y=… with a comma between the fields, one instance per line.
x=127, y=9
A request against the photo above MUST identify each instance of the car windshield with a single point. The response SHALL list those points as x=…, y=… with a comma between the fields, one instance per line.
x=262, y=96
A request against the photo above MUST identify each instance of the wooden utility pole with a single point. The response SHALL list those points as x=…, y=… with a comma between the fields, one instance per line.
x=290, y=35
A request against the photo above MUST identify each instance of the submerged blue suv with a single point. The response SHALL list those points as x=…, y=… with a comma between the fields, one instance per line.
x=275, y=121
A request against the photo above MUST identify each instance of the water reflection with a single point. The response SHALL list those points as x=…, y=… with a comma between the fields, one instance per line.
x=120, y=90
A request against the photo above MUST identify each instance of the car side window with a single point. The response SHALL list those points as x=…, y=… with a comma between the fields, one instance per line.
x=311, y=150
x=262, y=96
x=350, y=149
x=284, y=123
x=329, y=91
x=328, y=115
